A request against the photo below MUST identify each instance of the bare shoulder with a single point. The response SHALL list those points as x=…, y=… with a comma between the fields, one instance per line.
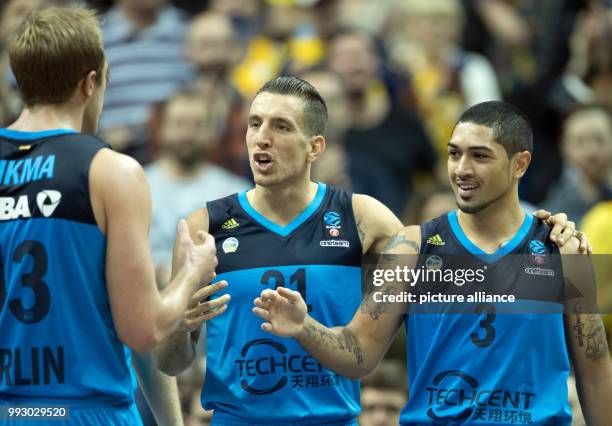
x=115, y=167
x=375, y=222
x=116, y=183
x=198, y=221
x=406, y=241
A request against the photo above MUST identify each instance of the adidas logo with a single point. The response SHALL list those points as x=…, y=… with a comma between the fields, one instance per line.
x=436, y=240
x=230, y=224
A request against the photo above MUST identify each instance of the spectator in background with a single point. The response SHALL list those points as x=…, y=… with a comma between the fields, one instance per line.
x=287, y=44
x=333, y=166
x=588, y=78
x=183, y=179
x=423, y=42
x=144, y=44
x=587, y=154
x=379, y=129
x=384, y=393
x=528, y=44
x=213, y=49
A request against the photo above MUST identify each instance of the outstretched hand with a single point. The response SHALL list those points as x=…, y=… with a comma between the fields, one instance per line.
x=564, y=229
x=284, y=311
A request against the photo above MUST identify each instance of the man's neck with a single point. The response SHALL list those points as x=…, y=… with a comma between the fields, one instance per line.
x=494, y=226
x=41, y=118
x=283, y=204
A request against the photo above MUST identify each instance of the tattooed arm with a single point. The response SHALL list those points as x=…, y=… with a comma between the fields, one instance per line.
x=586, y=338
x=354, y=350
x=376, y=224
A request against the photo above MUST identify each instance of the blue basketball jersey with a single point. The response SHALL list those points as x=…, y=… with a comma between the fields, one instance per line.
x=253, y=377
x=488, y=366
x=58, y=342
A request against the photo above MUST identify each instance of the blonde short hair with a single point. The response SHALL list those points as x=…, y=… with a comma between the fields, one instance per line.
x=52, y=50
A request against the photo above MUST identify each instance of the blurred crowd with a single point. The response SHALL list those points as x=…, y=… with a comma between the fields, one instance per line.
x=395, y=75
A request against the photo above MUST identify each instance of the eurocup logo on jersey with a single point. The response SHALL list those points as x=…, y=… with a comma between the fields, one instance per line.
x=333, y=224
x=455, y=396
x=538, y=252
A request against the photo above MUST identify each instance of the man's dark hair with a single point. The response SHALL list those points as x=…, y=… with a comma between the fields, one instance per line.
x=511, y=128
x=315, y=110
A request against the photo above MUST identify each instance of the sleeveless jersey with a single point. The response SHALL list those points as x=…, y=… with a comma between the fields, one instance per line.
x=253, y=377
x=58, y=341
x=489, y=366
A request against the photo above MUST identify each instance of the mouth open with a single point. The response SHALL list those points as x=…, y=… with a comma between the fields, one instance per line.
x=467, y=189
x=263, y=161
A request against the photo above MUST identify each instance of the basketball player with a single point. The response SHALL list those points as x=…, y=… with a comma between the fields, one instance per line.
x=287, y=231
x=76, y=276
x=484, y=368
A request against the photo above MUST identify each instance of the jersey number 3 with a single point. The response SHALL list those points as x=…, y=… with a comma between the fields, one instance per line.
x=32, y=280
x=487, y=325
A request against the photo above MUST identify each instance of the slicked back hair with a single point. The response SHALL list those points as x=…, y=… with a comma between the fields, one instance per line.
x=511, y=127
x=314, y=111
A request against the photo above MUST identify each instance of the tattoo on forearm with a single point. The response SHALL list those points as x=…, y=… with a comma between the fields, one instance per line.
x=579, y=326
x=345, y=342
x=596, y=344
x=400, y=240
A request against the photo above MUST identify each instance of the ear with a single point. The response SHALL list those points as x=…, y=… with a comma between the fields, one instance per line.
x=88, y=84
x=317, y=146
x=521, y=162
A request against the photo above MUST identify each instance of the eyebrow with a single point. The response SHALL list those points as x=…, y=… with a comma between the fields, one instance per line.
x=472, y=148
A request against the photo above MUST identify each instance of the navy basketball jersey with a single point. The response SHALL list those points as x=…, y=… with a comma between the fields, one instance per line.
x=487, y=366
x=58, y=342
x=253, y=377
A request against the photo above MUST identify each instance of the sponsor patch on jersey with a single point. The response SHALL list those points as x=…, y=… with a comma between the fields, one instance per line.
x=230, y=224
x=540, y=271
x=436, y=240
x=47, y=201
x=335, y=243
x=230, y=245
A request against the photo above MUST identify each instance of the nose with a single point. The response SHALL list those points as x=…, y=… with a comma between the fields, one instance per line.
x=263, y=138
x=464, y=168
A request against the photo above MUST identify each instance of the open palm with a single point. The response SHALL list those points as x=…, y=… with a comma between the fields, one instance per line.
x=283, y=310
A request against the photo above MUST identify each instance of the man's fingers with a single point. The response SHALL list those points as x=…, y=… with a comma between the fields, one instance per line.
x=542, y=214
x=206, y=238
x=183, y=231
x=193, y=323
x=202, y=308
x=266, y=326
x=268, y=295
x=262, y=313
x=566, y=233
x=292, y=296
x=260, y=303
x=208, y=290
